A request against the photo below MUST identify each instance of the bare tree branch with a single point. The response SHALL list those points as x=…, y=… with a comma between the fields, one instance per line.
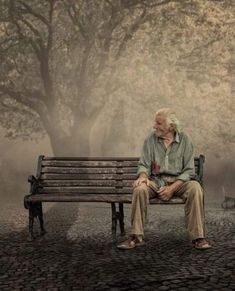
x=34, y=30
x=37, y=15
x=146, y=3
x=41, y=50
x=4, y=49
x=129, y=34
x=50, y=32
x=21, y=34
x=74, y=16
x=32, y=99
x=197, y=49
x=14, y=108
x=115, y=20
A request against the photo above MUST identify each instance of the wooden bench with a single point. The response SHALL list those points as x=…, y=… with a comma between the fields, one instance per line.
x=68, y=179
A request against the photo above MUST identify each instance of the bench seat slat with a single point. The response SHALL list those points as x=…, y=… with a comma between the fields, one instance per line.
x=95, y=198
x=110, y=176
x=124, y=160
x=90, y=158
x=91, y=164
x=96, y=183
x=64, y=170
x=83, y=190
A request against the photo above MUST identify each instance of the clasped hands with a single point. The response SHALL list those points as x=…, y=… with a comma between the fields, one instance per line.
x=164, y=193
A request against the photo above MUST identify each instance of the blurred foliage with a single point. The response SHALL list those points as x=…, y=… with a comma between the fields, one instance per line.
x=66, y=65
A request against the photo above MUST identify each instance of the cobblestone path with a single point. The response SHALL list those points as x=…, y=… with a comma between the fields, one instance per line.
x=77, y=252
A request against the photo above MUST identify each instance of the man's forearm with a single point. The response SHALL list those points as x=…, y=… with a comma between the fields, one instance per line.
x=176, y=185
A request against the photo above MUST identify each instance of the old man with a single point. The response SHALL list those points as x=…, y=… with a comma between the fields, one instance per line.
x=166, y=168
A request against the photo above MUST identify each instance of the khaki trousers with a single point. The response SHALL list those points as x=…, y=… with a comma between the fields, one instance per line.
x=192, y=194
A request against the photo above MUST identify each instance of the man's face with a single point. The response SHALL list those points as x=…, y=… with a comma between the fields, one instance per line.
x=161, y=126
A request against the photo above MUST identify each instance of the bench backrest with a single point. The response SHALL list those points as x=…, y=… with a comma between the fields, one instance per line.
x=70, y=175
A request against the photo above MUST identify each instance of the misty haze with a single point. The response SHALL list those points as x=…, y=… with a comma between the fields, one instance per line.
x=84, y=78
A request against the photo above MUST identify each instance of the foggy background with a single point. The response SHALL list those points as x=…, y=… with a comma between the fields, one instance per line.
x=84, y=78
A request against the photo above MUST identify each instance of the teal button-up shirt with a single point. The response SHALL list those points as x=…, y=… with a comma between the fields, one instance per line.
x=167, y=164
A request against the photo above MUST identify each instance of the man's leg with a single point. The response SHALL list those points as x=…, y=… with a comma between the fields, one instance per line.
x=140, y=201
x=192, y=192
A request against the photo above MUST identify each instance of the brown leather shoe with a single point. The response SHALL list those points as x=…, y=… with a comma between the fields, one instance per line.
x=130, y=243
x=201, y=244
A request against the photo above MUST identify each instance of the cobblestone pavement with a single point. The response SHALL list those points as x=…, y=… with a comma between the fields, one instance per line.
x=77, y=252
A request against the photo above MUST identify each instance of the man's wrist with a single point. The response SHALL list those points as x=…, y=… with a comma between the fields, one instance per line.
x=143, y=175
x=172, y=188
x=176, y=185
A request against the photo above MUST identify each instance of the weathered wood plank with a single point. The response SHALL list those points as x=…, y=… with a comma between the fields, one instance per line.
x=96, y=183
x=94, y=170
x=62, y=170
x=90, y=164
x=84, y=190
x=91, y=158
x=80, y=198
x=109, y=176
x=99, y=163
x=85, y=177
x=95, y=198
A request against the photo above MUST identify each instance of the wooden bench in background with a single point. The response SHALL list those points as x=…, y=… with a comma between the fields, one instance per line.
x=69, y=179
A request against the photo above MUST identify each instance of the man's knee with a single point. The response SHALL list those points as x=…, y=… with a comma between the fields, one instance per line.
x=194, y=189
x=140, y=190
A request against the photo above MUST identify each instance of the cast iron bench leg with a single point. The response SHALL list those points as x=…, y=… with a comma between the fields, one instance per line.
x=40, y=216
x=31, y=219
x=114, y=221
x=121, y=219
x=35, y=210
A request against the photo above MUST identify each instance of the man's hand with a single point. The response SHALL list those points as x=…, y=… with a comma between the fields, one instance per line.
x=165, y=193
x=141, y=180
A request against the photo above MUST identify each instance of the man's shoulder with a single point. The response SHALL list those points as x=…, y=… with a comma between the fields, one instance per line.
x=150, y=137
x=184, y=137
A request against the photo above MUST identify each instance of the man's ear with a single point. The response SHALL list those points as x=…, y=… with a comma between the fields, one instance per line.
x=172, y=126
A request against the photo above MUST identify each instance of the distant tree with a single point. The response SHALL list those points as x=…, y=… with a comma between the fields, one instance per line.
x=63, y=61
x=59, y=62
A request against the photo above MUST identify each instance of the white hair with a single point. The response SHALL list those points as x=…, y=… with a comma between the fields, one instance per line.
x=171, y=118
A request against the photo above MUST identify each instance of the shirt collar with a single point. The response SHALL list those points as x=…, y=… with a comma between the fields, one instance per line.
x=176, y=139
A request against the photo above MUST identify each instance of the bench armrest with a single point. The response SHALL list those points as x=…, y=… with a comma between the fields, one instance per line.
x=201, y=164
x=34, y=184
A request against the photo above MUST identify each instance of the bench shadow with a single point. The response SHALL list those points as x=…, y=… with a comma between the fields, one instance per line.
x=53, y=260
x=58, y=219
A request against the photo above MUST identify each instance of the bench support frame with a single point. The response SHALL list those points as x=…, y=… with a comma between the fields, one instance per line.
x=35, y=210
x=117, y=216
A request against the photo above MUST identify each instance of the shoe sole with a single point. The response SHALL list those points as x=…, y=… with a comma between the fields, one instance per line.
x=205, y=247
x=125, y=247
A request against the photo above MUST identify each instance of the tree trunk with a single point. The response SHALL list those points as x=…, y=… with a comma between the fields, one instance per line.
x=77, y=143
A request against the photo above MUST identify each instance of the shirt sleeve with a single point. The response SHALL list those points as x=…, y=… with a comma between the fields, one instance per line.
x=144, y=164
x=188, y=172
